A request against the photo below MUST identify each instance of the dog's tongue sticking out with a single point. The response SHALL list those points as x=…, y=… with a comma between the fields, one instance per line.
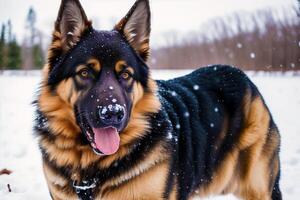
x=107, y=140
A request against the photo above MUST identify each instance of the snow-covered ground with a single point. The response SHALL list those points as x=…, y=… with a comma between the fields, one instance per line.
x=19, y=151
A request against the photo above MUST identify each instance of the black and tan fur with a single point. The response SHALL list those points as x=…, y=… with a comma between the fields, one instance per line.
x=206, y=133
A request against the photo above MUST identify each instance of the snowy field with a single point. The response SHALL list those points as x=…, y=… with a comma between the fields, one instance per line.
x=19, y=152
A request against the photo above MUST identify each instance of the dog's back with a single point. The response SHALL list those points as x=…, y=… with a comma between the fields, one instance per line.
x=227, y=140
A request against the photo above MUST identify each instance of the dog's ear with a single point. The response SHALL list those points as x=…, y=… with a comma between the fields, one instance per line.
x=71, y=23
x=136, y=26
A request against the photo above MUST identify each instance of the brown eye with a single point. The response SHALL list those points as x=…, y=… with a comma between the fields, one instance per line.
x=84, y=73
x=125, y=75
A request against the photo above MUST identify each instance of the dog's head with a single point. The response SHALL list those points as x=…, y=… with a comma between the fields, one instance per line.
x=101, y=76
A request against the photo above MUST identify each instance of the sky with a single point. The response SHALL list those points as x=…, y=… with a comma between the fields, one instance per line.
x=167, y=15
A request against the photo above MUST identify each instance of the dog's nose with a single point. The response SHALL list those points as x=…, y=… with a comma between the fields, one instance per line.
x=112, y=114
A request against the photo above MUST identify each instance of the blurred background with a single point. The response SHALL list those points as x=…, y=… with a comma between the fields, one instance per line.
x=261, y=37
x=251, y=34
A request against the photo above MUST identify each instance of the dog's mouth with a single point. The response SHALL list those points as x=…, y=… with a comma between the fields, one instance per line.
x=104, y=141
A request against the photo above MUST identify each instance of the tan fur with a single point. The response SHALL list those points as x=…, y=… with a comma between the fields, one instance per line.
x=120, y=65
x=146, y=186
x=221, y=177
x=174, y=192
x=58, y=185
x=245, y=170
x=143, y=48
x=257, y=124
x=59, y=112
x=156, y=156
x=73, y=156
x=95, y=64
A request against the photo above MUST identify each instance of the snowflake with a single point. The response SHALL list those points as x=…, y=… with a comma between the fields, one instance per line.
x=293, y=65
x=170, y=136
x=186, y=114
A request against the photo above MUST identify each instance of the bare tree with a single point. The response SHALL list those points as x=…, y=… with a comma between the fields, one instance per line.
x=264, y=40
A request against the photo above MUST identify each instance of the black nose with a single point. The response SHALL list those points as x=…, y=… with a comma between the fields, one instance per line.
x=112, y=114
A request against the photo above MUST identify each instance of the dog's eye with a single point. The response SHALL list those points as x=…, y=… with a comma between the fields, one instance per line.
x=125, y=75
x=84, y=73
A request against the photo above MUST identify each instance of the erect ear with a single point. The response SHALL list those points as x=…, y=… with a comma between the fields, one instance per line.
x=71, y=23
x=136, y=26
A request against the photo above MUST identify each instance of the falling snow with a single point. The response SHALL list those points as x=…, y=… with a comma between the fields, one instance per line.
x=252, y=55
x=293, y=65
x=114, y=100
x=239, y=45
x=186, y=114
x=196, y=87
x=216, y=109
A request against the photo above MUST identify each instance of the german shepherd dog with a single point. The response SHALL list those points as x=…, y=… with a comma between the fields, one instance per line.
x=106, y=130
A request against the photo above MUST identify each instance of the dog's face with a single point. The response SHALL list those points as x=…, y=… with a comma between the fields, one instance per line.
x=100, y=74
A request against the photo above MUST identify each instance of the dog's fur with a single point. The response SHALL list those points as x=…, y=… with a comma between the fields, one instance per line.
x=207, y=133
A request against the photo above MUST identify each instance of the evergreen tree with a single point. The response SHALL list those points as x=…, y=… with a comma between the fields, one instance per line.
x=12, y=51
x=37, y=54
x=2, y=47
x=33, y=53
x=30, y=24
x=14, y=55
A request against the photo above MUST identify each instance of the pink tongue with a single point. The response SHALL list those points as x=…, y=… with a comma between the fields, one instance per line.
x=107, y=140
